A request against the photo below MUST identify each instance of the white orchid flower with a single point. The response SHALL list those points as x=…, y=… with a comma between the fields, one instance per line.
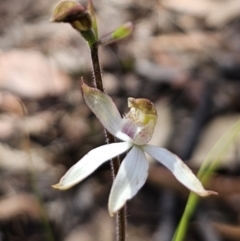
x=135, y=129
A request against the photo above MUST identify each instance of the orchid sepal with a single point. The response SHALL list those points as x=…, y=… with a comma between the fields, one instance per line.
x=103, y=107
x=90, y=162
x=180, y=170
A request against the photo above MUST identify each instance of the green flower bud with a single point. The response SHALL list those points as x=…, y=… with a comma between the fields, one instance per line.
x=78, y=16
x=121, y=32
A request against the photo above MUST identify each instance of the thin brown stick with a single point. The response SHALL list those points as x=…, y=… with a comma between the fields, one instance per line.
x=115, y=162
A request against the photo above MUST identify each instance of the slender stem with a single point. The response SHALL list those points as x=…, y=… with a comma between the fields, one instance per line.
x=115, y=162
x=96, y=67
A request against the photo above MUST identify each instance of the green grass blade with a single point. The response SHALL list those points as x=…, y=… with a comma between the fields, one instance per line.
x=207, y=168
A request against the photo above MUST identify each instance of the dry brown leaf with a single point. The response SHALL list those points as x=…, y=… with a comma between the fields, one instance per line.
x=193, y=41
x=216, y=13
x=197, y=7
x=74, y=127
x=163, y=72
x=225, y=186
x=18, y=160
x=21, y=204
x=212, y=133
x=8, y=128
x=29, y=74
x=184, y=50
x=224, y=12
x=103, y=230
x=37, y=124
x=230, y=232
x=11, y=103
x=13, y=127
x=161, y=177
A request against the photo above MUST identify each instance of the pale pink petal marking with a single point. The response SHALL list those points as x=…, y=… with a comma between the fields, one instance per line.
x=178, y=168
x=131, y=176
x=90, y=162
x=122, y=136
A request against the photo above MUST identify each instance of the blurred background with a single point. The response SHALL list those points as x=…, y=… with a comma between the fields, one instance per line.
x=184, y=55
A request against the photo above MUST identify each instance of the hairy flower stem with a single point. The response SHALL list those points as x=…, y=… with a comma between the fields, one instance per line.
x=115, y=162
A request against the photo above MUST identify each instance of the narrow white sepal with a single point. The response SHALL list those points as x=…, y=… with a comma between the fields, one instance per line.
x=131, y=177
x=178, y=168
x=103, y=107
x=90, y=162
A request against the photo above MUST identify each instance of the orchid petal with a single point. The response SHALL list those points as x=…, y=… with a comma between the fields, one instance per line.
x=90, y=162
x=178, y=168
x=131, y=176
x=103, y=107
